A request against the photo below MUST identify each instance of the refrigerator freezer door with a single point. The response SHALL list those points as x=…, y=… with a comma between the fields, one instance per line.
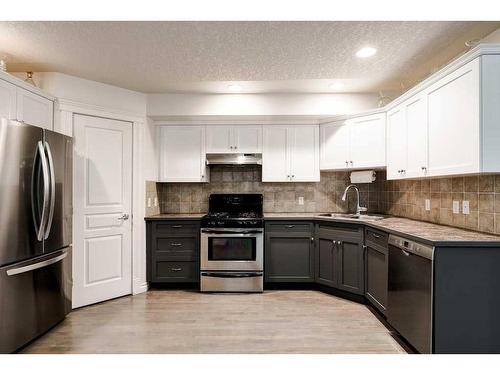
x=59, y=151
x=34, y=297
x=19, y=175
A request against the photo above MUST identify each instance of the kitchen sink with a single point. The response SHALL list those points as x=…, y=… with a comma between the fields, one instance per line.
x=353, y=216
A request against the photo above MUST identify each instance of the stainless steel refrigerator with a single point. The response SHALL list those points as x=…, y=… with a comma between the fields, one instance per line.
x=35, y=231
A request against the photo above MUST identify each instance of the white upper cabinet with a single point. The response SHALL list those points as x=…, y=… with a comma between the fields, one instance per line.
x=248, y=139
x=182, y=154
x=275, y=155
x=334, y=146
x=354, y=144
x=367, y=141
x=290, y=153
x=219, y=139
x=8, y=97
x=396, y=143
x=450, y=127
x=416, y=135
x=234, y=139
x=454, y=122
x=34, y=109
x=303, y=143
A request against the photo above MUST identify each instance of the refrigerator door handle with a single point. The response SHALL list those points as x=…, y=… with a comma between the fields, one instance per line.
x=40, y=228
x=37, y=265
x=52, y=191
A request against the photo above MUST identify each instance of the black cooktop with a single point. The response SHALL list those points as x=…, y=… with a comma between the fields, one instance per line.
x=234, y=211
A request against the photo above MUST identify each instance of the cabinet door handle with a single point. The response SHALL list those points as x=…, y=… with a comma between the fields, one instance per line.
x=346, y=163
x=231, y=147
x=350, y=162
x=175, y=244
x=175, y=269
x=312, y=239
x=293, y=176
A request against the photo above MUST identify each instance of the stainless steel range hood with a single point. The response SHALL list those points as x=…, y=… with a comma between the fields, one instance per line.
x=234, y=159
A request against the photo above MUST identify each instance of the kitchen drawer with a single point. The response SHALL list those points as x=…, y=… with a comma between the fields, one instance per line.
x=179, y=228
x=165, y=271
x=281, y=226
x=175, y=244
x=376, y=237
x=341, y=231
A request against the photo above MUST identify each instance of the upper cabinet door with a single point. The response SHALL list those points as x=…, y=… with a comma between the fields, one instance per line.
x=182, y=154
x=416, y=127
x=248, y=139
x=367, y=141
x=334, y=146
x=304, y=153
x=8, y=98
x=34, y=109
x=275, y=155
x=220, y=139
x=454, y=122
x=396, y=143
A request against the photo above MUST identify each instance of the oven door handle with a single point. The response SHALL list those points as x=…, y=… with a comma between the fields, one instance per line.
x=210, y=231
x=227, y=275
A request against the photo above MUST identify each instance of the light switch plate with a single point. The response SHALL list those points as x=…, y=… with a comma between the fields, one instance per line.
x=301, y=201
x=149, y=202
x=156, y=201
x=465, y=207
x=456, y=207
x=427, y=204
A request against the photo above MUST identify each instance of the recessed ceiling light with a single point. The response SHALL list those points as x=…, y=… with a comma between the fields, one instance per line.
x=366, y=52
x=336, y=86
x=234, y=87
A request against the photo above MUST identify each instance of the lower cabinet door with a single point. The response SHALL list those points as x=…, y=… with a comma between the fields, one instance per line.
x=350, y=265
x=376, y=276
x=289, y=257
x=326, y=273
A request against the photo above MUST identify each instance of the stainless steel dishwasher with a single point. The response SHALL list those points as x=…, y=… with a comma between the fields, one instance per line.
x=409, y=300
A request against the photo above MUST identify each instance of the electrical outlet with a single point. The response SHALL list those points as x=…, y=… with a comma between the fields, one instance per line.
x=156, y=201
x=149, y=202
x=465, y=207
x=427, y=204
x=301, y=201
x=456, y=207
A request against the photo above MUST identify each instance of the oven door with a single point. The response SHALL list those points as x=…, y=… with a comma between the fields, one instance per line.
x=232, y=249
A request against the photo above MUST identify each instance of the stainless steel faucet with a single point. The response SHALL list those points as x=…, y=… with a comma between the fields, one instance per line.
x=359, y=209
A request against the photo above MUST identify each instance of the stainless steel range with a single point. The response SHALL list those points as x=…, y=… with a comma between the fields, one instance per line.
x=232, y=244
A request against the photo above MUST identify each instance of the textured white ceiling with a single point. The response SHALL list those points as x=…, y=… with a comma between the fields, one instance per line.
x=203, y=56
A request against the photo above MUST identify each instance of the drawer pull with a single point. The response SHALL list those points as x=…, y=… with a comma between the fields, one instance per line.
x=176, y=226
x=290, y=226
x=175, y=269
x=175, y=244
x=376, y=235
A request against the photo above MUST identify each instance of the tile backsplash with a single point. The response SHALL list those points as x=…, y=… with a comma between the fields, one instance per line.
x=405, y=198
x=323, y=196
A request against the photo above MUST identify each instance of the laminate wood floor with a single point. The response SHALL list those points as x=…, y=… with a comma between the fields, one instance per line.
x=166, y=321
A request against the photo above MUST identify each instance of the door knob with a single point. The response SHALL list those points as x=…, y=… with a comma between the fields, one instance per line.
x=123, y=217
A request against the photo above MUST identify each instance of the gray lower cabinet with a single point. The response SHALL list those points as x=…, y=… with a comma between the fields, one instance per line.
x=173, y=249
x=340, y=257
x=376, y=268
x=289, y=252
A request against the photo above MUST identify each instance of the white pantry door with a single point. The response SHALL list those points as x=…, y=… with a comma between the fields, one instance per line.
x=102, y=243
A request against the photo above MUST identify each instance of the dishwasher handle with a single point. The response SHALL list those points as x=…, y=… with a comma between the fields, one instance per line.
x=409, y=247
